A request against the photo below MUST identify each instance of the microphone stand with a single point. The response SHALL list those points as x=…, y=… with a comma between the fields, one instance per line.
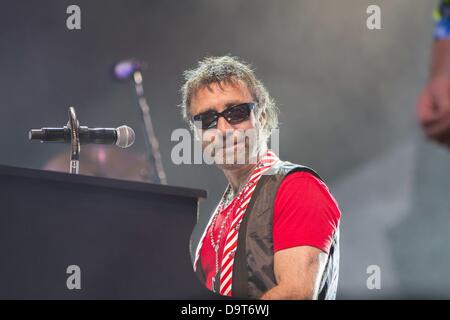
x=151, y=141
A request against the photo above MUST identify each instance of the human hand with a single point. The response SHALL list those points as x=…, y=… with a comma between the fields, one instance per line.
x=433, y=109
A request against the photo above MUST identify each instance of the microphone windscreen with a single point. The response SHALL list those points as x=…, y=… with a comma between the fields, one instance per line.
x=124, y=69
x=125, y=137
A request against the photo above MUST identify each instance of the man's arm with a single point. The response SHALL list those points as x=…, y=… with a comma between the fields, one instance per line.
x=298, y=272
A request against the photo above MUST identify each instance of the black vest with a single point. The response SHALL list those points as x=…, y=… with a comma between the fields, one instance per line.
x=253, y=268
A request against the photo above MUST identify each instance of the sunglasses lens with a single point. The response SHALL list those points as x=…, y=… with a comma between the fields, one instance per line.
x=239, y=113
x=206, y=121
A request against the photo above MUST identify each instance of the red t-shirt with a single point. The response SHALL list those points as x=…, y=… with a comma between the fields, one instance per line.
x=305, y=214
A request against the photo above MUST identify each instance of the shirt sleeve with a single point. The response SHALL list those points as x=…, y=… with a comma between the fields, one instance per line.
x=305, y=213
x=442, y=21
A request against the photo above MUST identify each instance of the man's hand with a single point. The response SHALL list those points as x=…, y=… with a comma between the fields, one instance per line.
x=433, y=106
x=298, y=272
x=433, y=110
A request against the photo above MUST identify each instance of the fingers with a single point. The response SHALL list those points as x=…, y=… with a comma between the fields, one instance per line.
x=438, y=130
x=433, y=110
x=426, y=112
x=440, y=92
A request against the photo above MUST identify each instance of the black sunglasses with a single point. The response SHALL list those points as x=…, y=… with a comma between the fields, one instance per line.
x=234, y=115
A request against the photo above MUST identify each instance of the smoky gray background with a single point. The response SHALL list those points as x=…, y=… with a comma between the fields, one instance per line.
x=346, y=96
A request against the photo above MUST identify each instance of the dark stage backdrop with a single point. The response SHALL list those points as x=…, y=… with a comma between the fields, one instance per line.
x=346, y=96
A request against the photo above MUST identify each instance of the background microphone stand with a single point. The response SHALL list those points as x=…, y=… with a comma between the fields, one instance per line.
x=131, y=69
x=151, y=140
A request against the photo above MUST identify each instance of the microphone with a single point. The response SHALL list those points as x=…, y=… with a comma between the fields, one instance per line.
x=122, y=136
x=125, y=69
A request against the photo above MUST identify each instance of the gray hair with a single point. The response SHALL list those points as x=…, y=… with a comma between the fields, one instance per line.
x=228, y=69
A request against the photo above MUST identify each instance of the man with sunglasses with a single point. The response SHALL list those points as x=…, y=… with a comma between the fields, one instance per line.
x=275, y=232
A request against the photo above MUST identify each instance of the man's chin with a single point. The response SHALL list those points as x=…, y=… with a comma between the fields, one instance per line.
x=234, y=160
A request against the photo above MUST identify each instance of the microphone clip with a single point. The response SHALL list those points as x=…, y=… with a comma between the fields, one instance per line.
x=74, y=126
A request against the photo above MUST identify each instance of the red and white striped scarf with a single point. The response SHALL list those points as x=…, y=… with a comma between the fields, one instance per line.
x=226, y=270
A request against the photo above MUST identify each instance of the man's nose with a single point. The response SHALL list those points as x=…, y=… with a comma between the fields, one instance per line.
x=223, y=125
